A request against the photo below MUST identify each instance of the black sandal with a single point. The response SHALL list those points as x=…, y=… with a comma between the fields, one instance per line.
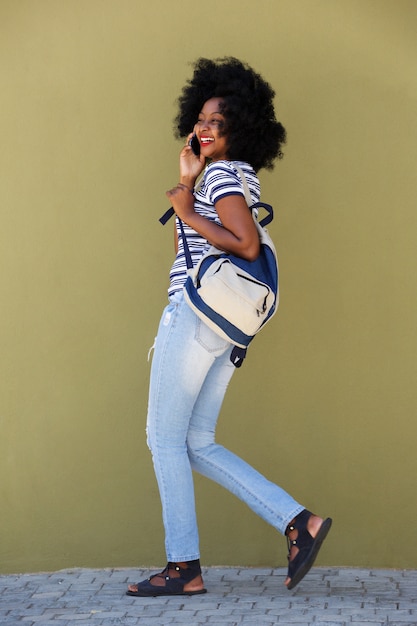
x=308, y=546
x=174, y=586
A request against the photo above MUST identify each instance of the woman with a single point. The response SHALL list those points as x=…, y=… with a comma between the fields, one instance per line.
x=228, y=109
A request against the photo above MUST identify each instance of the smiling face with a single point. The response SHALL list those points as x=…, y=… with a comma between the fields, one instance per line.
x=210, y=131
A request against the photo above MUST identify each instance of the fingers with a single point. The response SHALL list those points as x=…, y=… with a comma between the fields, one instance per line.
x=180, y=188
x=186, y=150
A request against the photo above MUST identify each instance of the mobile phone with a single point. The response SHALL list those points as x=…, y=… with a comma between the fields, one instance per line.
x=195, y=145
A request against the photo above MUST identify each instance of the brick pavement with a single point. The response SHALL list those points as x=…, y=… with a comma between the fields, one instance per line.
x=237, y=597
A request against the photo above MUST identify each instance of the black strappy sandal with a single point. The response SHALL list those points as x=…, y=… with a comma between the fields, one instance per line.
x=174, y=586
x=308, y=546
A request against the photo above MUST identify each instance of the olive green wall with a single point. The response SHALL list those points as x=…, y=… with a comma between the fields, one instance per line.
x=326, y=403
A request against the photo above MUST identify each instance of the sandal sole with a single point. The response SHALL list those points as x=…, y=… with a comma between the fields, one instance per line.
x=145, y=594
x=308, y=563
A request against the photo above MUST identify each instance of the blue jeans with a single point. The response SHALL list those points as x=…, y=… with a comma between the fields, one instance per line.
x=190, y=372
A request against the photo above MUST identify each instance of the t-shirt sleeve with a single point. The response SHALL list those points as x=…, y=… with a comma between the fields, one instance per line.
x=221, y=181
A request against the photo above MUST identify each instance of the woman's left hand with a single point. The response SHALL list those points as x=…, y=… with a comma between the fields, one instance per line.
x=182, y=200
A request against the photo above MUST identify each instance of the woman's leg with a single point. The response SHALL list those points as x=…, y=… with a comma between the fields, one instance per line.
x=207, y=457
x=183, y=357
x=304, y=530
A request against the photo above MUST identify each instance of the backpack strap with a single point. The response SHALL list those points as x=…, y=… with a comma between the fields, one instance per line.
x=166, y=216
x=187, y=252
x=257, y=205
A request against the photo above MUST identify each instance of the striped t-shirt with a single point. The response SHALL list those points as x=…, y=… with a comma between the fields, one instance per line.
x=220, y=179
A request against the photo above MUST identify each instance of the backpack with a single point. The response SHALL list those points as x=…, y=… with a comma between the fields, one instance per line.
x=233, y=296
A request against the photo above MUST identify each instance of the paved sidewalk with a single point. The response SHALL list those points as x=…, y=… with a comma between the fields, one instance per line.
x=237, y=596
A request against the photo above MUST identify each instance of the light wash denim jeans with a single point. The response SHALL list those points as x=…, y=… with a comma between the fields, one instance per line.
x=190, y=373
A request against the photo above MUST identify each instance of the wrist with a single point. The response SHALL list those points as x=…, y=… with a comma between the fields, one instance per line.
x=187, y=182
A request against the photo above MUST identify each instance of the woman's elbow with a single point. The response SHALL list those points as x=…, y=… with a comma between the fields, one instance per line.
x=251, y=252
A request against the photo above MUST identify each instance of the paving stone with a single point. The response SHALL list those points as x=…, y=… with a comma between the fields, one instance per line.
x=237, y=597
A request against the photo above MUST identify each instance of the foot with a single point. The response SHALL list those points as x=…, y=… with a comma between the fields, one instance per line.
x=175, y=579
x=310, y=535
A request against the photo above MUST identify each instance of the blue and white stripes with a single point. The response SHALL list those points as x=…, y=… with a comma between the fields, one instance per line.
x=220, y=179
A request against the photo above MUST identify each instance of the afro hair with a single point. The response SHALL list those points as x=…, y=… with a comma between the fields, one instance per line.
x=254, y=135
